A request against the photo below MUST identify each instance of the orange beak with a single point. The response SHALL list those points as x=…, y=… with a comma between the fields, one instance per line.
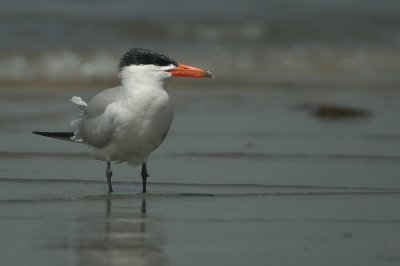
x=189, y=71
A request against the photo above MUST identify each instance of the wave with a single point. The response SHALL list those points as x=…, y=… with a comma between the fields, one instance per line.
x=318, y=42
x=249, y=64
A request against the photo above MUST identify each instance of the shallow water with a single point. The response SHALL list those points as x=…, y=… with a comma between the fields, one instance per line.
x=266, y=42
x=245, y=176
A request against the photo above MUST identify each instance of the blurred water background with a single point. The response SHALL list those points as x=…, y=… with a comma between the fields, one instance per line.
x=278, y=42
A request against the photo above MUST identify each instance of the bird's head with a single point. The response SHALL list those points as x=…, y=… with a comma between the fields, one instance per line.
x=146, y=65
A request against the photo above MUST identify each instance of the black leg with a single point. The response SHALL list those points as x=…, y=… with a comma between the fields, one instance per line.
x=109, y=174
x=144, y=177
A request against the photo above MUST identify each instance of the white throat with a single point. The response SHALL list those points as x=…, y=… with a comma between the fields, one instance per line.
x=151, y=76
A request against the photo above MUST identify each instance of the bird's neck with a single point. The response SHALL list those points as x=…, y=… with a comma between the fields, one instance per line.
x=136, y=82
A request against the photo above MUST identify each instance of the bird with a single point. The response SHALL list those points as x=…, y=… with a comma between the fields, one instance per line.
x=126, y=123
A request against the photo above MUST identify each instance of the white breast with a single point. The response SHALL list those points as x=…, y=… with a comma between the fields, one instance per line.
x=141, y=120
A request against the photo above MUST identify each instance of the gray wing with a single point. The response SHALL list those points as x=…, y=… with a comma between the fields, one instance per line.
x=96, y=126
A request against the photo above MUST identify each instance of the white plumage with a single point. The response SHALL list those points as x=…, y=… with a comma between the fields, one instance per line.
x=126, y=123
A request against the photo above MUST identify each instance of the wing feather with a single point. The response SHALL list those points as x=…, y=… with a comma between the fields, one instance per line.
x=97, y=122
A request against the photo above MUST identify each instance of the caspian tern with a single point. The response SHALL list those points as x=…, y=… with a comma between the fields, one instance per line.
x=128, y=122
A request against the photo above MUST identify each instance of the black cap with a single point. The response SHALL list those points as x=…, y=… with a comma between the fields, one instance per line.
x=140, y=56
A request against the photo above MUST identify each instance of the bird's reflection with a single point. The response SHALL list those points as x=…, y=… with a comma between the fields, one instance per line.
x=141, y=222
x=143, y=216
x=108, y=214
x=125, y=236
x=143, y=210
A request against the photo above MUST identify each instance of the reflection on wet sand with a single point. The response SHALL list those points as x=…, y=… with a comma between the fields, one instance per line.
x=125, y=239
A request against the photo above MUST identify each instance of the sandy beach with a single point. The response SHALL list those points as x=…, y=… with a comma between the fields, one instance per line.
x=241, y=188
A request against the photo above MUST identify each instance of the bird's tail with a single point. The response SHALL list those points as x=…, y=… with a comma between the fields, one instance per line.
x=77, y=122
x=69, y=136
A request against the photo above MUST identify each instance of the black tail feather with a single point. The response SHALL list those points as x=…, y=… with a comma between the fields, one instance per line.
x=57, y=135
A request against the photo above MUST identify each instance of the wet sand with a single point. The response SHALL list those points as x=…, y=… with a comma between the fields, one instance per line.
x=244, y=177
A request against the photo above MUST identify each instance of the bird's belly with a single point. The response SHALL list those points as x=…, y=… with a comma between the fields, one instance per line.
x=138, y=134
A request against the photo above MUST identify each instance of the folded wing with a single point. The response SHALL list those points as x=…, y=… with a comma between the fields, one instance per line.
x=95, y=123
